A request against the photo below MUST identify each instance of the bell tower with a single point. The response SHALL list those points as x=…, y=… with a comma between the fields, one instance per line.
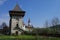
x=16, y=20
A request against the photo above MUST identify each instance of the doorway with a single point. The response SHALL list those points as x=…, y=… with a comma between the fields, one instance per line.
x=16, y=32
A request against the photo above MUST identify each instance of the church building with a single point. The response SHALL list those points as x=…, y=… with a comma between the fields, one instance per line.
x=17, y=25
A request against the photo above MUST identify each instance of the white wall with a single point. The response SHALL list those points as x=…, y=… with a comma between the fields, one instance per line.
x=14, y=22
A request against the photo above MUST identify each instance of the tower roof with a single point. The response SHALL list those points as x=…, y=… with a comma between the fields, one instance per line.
x=17, y=11
x=17, y=8
x=29, y=20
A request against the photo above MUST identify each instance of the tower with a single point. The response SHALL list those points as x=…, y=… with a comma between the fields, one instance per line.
x=29, y=22
x=16, y=20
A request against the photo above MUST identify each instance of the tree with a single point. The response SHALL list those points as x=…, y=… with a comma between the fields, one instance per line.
x=4, y=24
x=46, y=24
x=5, y=28
x=55, y=21
x=47, y=27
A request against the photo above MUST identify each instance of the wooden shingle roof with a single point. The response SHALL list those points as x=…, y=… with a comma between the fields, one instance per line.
x=17, y=8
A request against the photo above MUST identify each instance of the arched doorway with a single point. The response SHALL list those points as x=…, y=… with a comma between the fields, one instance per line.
x=16, y=32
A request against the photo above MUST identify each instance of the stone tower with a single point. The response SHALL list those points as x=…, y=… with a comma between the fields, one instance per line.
x=16, y=20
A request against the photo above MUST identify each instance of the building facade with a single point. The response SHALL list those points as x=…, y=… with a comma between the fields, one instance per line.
x=16, y=21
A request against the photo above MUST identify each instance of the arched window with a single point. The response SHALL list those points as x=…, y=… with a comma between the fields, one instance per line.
x=17, y=27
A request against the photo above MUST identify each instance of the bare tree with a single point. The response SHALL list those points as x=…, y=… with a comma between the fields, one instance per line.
x=46, y=24
x=55, y=21
x=4, y=24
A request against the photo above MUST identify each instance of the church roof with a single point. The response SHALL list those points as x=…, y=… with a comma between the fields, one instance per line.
x=17, y=8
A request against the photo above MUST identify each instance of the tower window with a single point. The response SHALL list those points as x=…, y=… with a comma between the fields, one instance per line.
x=17, y=27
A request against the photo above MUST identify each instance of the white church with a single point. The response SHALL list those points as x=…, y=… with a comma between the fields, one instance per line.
x=17, y=25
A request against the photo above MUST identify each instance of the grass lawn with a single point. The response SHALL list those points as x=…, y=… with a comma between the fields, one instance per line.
x=27, y=37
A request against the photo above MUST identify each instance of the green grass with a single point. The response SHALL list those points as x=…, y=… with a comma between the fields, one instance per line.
x=27, y=37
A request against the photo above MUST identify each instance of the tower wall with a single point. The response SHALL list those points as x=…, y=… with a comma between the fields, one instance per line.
x=20, y=22
x=14, y=22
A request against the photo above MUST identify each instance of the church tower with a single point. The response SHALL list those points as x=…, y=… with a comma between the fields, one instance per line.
x=16, y=20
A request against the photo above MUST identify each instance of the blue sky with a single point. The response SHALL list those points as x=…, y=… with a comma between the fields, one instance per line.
x=37, y=10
